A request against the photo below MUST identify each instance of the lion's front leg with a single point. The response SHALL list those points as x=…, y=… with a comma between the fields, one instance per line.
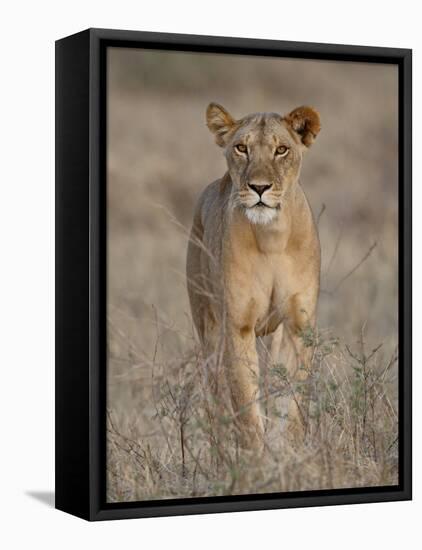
x=297, y=418
x=242, y=370
x=300, y=327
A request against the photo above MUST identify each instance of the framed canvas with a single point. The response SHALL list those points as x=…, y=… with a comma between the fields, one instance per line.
x=233, y=274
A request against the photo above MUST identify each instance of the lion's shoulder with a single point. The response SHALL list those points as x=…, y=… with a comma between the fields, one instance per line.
x=213, y=199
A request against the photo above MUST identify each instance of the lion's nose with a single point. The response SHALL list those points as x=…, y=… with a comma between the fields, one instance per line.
x=260, y=189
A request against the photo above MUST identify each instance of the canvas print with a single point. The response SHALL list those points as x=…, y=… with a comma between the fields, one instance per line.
x=252, y=275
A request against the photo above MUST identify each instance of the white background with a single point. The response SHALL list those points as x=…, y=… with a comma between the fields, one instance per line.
x=27, y=36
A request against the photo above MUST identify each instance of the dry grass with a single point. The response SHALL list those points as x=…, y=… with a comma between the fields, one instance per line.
x=192, y=448
x=166, y=439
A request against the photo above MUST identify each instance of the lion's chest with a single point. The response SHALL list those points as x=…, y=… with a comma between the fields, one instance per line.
x=258, y=292
x=275, y=298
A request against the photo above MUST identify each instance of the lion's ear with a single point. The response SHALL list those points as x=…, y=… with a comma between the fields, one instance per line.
x=220, y=122
x=305, y=121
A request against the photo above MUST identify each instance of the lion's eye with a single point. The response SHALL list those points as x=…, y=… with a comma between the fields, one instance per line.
x=241, y=148
x=281, y=151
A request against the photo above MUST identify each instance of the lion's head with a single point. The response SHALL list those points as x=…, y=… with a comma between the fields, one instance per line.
x=264, y=155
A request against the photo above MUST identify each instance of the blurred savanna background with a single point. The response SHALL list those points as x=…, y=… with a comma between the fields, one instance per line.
x=165, y=440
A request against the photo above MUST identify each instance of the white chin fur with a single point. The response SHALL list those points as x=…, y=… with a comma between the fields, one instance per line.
x=260, y=215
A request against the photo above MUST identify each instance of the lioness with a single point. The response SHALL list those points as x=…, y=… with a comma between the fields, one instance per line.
x=253, y=262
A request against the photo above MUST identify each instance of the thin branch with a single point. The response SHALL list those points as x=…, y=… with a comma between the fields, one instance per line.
x=321, y=212
x=350, y=273
x=336, y=247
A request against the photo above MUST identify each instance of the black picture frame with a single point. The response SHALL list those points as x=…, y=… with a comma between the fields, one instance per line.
x=81, y=218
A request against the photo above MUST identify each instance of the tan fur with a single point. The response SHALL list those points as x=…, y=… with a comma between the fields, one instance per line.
x=253, y=269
